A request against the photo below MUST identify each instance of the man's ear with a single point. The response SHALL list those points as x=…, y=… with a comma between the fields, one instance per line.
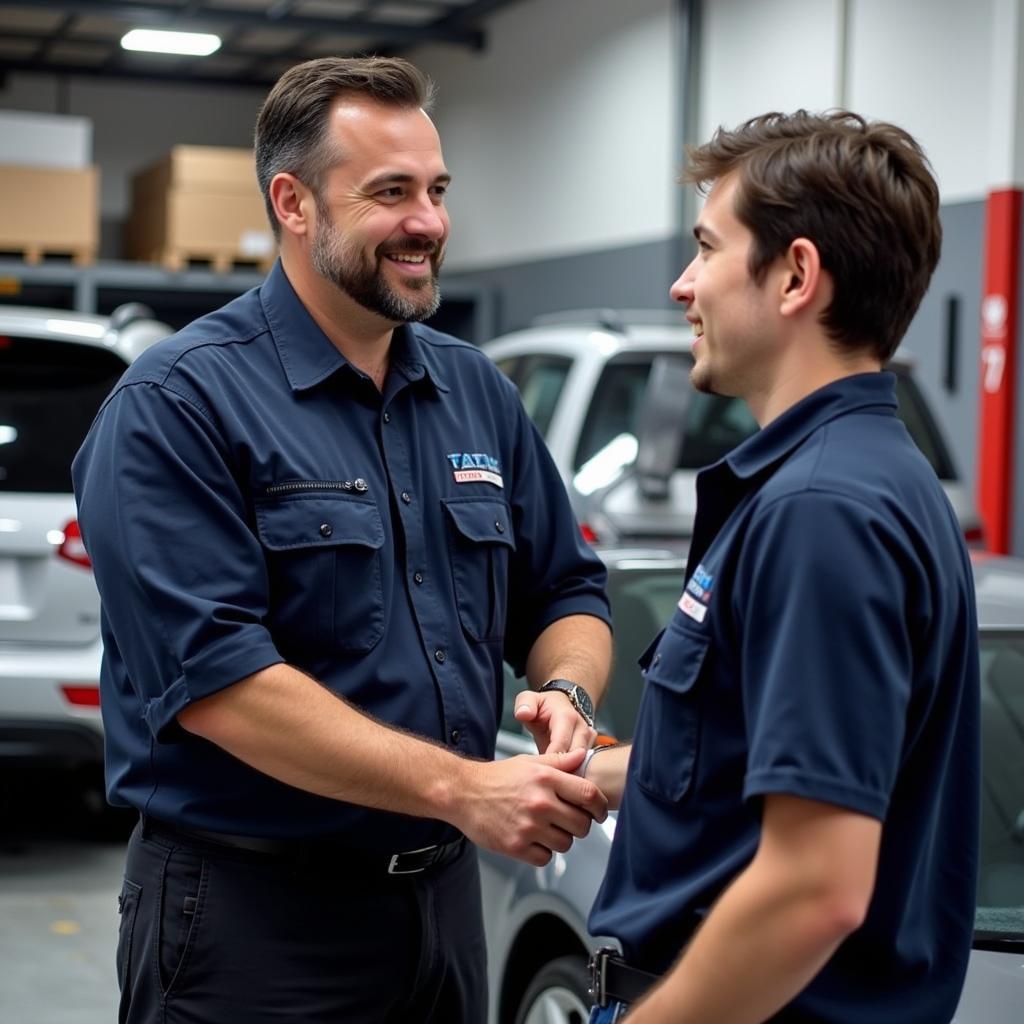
x=293, y=203
x=802, y=277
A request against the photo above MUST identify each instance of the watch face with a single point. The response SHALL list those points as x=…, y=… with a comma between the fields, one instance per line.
x=583, y=702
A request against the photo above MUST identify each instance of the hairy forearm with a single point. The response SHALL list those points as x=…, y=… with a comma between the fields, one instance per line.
x=287, y=725
x=578, y=647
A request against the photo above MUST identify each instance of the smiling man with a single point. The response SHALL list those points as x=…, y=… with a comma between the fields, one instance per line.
x=317, y=528
x=798, y=838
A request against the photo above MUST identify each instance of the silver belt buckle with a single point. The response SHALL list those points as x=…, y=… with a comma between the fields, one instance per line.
x=598, y=974
x=394, y=869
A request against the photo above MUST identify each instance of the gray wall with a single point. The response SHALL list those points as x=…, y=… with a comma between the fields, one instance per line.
x=629, y=277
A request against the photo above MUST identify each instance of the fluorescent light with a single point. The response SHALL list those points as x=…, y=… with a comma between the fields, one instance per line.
x=8, y=435
x=191, y=44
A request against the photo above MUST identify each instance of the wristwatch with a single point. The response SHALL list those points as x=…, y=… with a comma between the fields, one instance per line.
x=578, y=697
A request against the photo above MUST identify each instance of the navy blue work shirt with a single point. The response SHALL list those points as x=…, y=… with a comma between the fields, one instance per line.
x=825, y=647
x=249, y=497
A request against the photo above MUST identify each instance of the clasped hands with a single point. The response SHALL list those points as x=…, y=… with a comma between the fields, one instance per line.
x=533, y=806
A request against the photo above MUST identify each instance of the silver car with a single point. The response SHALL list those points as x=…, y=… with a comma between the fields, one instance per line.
x=594, y=381
x=56, y=367
x=535, y=918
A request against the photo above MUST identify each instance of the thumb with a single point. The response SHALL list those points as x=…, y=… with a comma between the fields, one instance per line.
x=526, y=708
x=566, y=760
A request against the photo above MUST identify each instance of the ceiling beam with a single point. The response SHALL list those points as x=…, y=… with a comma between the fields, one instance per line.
x=444, y=30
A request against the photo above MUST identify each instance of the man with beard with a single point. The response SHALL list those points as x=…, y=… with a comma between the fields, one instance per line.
x=317, y=529
x=797, y=838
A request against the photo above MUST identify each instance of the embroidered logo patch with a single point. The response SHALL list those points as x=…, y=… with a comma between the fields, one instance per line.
x=475, y=468
x=697, y=595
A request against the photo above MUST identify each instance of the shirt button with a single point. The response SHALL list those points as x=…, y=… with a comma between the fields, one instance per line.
x=417, y=577
x=455, y=735
x=406, y=497
x=440, y=656
x=499, y=526
x=387, y=417
x=326, y=529
x=657, y=658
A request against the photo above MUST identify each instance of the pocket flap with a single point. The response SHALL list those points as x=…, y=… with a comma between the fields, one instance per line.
x=482, y=520
x=319, y=521
x=677, y=660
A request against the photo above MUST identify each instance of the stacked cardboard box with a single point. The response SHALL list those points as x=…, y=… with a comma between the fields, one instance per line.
x=49, y=192
x=199, y=203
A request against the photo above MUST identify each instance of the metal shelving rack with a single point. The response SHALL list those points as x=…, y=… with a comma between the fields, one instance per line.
x=467, y=309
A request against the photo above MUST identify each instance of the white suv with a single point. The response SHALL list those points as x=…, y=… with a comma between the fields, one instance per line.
x=629, y=441
x=56, y=367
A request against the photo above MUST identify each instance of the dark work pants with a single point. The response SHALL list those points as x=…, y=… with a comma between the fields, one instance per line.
x=213, y=936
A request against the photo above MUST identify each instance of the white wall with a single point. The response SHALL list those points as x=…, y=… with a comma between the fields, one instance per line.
x=135, y=123
x=949, y=73
x=562, y=135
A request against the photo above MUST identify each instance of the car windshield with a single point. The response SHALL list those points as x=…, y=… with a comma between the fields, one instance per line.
x=715, y=425
x=49, y=393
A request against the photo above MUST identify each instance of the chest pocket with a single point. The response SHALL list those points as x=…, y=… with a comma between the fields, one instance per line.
x=667, y=737
x=324, y=563
x=479, y=543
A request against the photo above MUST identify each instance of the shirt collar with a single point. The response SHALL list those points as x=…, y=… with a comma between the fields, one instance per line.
x=308, y=355
x=775, y=441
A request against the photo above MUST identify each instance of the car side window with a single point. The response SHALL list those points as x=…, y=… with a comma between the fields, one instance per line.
x=615, y=406
x=1000, y=913
x=714, y=426
x=914, y=411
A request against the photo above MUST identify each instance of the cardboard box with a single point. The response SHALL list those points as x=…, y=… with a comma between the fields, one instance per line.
x=199, y=203
x=45, y=140
x=46, y=210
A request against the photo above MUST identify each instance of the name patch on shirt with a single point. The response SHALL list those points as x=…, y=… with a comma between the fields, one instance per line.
x=475, y=468
x=697, y=595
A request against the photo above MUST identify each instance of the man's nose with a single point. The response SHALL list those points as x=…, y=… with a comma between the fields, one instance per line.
x=682, y=288
x=428, y=220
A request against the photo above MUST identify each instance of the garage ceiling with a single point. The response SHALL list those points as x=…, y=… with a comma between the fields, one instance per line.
x=259, y=38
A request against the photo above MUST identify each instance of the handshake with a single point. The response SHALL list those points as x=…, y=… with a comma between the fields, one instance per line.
x=533, y=805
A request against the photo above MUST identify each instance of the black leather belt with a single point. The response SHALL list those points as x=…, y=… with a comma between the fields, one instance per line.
x=408, y=862
x=613, y=980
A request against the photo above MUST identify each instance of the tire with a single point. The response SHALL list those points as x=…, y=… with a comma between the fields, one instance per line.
x=557, y=994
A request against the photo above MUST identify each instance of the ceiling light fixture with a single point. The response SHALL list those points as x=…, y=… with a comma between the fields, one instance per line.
x=191, y=44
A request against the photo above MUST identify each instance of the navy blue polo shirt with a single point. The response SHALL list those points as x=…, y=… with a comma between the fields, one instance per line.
x=248, y=497
x=824, y=646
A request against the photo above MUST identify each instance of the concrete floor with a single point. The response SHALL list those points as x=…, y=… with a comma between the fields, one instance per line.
x=60, y=873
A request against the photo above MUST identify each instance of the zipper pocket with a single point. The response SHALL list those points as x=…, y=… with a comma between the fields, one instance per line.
x=359, y=485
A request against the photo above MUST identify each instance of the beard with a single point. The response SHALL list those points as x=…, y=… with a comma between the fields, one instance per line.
x=345, y=265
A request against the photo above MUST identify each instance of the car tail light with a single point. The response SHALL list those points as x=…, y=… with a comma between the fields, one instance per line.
x=82, y=696
x=588, y=533
x=73, y=547
x=975, y=536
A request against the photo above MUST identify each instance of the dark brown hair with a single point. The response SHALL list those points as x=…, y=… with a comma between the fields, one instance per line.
x=292, y=128
x=862, y=192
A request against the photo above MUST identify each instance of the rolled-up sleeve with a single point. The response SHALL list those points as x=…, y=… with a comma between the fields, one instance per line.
x=180, y=571
x=555, y=572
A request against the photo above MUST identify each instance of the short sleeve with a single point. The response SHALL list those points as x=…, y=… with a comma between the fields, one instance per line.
x=826, y=659
x=180, y=572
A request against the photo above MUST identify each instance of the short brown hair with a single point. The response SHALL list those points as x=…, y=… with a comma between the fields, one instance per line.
x=862, y=192
x=292, y=127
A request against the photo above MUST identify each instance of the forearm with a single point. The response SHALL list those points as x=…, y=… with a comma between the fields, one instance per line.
x=286, y=725
x=579, y=648
x=607, y=770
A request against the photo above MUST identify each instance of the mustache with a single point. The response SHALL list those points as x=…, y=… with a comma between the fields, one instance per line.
x=409, y=244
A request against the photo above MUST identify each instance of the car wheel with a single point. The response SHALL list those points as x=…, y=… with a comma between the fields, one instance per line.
x=557, y=994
